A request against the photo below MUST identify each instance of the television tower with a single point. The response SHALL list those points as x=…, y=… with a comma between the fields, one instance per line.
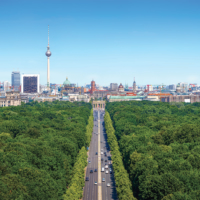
x=48, y=54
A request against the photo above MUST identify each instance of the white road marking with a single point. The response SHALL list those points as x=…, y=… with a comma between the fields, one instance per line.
x=99, y=162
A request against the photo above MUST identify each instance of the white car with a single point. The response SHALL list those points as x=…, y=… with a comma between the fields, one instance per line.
x=102, y=153
x=108, y=184
x=106, y=171
x=110, y=170
x=106, y=167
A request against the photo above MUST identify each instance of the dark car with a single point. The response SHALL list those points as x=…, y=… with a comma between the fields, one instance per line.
x=110, y=172
x=91, y=171
x=95, y=170
x=96, y=153
x=105, y=160
x=102, y=159
x=101, y=141
x=87, y=179
x=105, y=154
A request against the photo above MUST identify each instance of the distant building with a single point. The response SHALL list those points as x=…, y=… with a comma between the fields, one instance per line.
x=1, y=86
x=134, y=86
x=125, y=98
x=73, y=85
x=113, y=86
x=181, y=98
x=11, y=98
x=149, y=88
x=6, y=86
x=178, y=88
x=15, y=80
x=121, y=88
x=30, y=83
x=92, y=87
x=172, y=87
x=184, y=87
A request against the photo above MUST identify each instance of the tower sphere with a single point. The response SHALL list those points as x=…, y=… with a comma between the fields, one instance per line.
x=48, y=52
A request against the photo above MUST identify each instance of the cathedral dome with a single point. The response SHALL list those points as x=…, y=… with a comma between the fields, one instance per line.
x=66, y=82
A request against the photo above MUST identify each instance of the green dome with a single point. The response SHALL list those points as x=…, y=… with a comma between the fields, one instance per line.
x=66, y=82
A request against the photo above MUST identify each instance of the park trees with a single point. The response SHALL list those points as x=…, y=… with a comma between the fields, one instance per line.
x=159, y=146
x=39, y=145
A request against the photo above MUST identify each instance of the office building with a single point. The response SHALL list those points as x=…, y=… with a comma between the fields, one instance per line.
x=113, y=86
x=30, y=83
x=15, y=81
x=6, y=86
x=184, y=87
x=172, y=87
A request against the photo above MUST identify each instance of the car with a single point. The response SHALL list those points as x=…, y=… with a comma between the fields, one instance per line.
x=96, y=153
x=108, y=184
x=95, y=170
x=102, y=153
x=87, y=179
x=105, y=160
x=101, y=159
x=110, y=172
x=110, y=169
x=106, y=171
x=89, y=162
x=95, y=183
x=103, y=180
x=101, y=141
x=109, y=163
x=106, y=166
x=91, y=171
x=105, y=154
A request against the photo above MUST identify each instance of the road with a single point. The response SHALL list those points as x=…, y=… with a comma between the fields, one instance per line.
x=99, y=144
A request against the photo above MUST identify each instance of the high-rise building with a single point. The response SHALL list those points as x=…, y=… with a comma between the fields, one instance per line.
x=48, y=54
x=15, y=81
x=114, y=86
x=184, y=87
x=134, y=86
x=30, y=83
x=6, y=86
x=172, y=87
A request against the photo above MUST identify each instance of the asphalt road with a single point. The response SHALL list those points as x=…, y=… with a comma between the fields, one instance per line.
x=91, y=189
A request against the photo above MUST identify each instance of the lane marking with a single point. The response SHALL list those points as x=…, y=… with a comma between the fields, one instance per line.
x=99, y=162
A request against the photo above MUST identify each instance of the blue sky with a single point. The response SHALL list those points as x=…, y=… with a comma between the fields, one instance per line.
x=155, y=41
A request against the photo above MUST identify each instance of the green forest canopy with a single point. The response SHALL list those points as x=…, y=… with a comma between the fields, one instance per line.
x=39, y=143
x=160, y=146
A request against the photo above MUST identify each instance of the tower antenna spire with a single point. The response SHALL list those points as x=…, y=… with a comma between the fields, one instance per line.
x=48, y=35
x=48, y=54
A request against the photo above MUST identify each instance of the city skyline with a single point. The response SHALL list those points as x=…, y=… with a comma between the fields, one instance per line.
x=102, y=40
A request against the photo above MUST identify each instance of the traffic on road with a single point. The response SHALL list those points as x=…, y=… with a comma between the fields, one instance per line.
x=99, y=186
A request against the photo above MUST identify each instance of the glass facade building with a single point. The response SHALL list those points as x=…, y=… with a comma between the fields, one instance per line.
x=30, y=83
x=15, y=81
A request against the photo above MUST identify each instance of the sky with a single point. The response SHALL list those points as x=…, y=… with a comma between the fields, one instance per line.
x=108, y=41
